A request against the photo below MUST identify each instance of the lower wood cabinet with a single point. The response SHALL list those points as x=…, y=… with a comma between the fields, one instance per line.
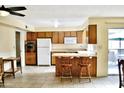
x=30, y=58
x=53, y=60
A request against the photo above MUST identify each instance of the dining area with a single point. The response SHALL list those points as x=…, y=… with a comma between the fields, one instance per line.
x=14, y=67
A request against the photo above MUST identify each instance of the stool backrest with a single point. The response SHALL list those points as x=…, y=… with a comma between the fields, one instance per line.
x=64, y=60
x=121, y=72
x=86, y=60
x=1, y=66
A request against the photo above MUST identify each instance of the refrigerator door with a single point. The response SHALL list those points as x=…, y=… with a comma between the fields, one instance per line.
x=44, y=56
x=44, y=43
x=43, y=51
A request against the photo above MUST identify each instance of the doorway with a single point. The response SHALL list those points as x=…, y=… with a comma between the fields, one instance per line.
x=115, y=49
x=18, y=50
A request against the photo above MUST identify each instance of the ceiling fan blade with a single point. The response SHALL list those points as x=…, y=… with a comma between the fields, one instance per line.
x=16, y=8
x=15, y=13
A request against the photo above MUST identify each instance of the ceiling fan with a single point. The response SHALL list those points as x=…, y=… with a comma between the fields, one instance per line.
x=11, y=10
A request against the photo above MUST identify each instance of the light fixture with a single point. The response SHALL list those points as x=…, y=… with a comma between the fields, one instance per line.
x=4, y=13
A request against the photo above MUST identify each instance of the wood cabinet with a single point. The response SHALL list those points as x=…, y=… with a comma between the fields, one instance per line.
x=92, y=34
x=53, y=60
x=48, y=34
x=55, y=38
x=31, y=36
x=79, y=37
x=73, y=33
x=41, y=34
x=61, y=37
x=30, y=58
x=67, y=34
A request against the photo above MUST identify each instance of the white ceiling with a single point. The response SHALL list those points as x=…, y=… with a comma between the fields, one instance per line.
x=70, y=15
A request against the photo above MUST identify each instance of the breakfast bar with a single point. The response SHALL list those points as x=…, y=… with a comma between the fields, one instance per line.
x=75, y=58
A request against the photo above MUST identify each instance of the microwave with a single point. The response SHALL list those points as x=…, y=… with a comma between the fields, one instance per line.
x=70, y=40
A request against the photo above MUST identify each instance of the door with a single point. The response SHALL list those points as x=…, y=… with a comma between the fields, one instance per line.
x=18, y=52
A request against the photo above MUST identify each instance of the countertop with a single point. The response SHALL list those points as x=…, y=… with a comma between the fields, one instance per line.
x=75, y=54
x=67, y=50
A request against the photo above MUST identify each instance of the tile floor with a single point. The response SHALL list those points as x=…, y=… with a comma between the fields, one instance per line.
x=44, y=77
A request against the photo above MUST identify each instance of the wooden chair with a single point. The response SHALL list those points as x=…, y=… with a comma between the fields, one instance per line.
x=1, y=71
x=66, y=68
x=121, y=73
x=84, y=66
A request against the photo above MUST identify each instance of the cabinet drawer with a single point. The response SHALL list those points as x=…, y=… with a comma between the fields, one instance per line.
x=30, y=58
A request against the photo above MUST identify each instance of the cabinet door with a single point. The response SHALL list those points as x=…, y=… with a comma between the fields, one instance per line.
x=33, y=36
x=67, y=33
x=29, y=36
x=53, y=60
x=48, y=34
x=93, y=69
x=55, y=38
x=85, y=37
x=73, y=33
x=92, y=34
x=41, y=34
x=79, y=37
x=31, y=58
x=61, y=37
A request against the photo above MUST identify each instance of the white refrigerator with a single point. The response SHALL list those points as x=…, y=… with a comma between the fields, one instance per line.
x=44, y=51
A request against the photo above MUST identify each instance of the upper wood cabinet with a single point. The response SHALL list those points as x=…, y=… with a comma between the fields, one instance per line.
x=79, y=36
x=41, y=34
x=49, y=34
x=34, y=36
x=92, y=34
x=67, y=34
x=55, y=37
x=31, y=36
x=73, y=33
x=61, y=37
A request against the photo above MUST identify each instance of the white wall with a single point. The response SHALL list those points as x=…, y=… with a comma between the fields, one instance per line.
x=7, y=38
x=8, y=45
x=22, y=45
x=8, y=26
x=102, y=40
x=13, y=22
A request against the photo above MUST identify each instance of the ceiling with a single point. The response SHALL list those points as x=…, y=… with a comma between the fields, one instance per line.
x=67, y=15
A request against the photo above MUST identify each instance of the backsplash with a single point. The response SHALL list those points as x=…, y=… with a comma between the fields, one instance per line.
x=71, y=46
x=74, y=47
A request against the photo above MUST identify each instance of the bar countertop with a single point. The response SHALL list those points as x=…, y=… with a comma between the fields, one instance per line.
x=86, y=54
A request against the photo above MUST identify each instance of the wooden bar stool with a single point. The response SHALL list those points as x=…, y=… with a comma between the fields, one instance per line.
x=84, y=66
x=66, y=68
x=1, y=71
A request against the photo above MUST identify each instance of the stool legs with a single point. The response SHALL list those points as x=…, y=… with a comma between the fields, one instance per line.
x=87, y=68
x=66, y=73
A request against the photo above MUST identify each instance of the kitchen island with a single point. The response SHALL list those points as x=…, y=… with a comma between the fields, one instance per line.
x=75, y=58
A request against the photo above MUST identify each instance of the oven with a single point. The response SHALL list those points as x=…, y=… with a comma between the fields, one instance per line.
x=30, y=46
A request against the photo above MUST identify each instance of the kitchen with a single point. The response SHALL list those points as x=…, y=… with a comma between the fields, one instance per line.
x=60, y=42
